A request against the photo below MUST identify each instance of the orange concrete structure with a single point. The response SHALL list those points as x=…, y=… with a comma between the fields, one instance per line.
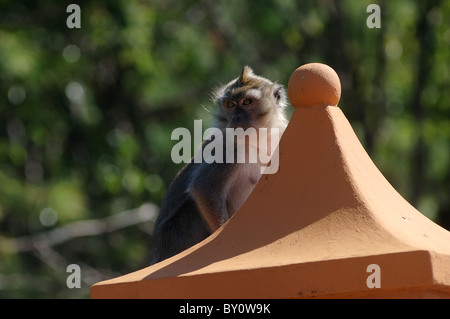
x=326, y=225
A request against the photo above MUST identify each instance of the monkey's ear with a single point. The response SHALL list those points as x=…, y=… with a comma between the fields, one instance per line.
x=246, y=73
x=280, y=95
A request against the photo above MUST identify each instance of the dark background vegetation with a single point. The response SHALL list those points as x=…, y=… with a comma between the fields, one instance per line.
x=86, y=114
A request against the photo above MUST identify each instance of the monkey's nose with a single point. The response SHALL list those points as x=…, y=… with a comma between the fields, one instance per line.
x=240, y=116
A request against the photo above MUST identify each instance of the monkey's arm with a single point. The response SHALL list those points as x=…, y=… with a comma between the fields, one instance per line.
x=179, y=224
x=209, y=190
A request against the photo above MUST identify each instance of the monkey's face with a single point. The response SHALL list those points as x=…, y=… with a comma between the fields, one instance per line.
x=249, y=101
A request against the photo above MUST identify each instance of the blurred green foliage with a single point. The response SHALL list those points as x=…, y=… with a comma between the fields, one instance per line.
x=86, y=114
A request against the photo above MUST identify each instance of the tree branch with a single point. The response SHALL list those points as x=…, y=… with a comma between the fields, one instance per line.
x=94, y=227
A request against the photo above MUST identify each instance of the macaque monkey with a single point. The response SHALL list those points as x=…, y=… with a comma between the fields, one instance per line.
x=203, y=196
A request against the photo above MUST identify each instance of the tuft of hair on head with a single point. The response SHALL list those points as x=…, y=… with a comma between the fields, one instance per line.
x=246, y=73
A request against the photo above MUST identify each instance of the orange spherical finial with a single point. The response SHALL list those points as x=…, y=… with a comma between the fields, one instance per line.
x=314, y=84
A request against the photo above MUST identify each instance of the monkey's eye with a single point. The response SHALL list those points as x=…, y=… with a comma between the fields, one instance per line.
x=230, y=104
x=247, y=102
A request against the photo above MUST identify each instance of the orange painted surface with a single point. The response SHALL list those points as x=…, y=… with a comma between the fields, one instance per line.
x=310, y=85
x=311, y=229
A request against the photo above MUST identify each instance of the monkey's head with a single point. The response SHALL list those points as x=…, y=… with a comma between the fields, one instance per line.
x=250, y=101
